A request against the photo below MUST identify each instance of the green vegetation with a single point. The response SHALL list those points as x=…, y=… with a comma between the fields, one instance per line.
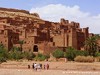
x=41, y=57
x=58, y=53
x=97, y=54
x=91, y=45
x=28, y=55
x=21, y=42
x=3, y=54
x=71, y=53
x=16, y=54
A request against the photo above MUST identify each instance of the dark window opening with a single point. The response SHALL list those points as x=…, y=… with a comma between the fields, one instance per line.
x=35, y=48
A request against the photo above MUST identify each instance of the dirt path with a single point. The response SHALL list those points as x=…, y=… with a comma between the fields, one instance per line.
x=56, y=68
x=44, y=72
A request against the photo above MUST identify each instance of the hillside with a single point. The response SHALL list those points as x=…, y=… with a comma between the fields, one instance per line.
x=18, y=17
x=12, y=13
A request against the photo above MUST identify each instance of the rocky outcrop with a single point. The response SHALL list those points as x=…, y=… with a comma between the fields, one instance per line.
x=11, y=13
x=18, y=17
x=14, y=10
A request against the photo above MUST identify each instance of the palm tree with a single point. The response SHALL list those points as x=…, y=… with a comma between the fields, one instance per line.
x=91, y=45
x=21, y=42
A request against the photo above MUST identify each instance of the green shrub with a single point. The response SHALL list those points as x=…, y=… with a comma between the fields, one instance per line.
x=97, y=54
x=2, y=59
x=3, y=54
x=81, y=53
x=28, y=55
x=84, y=59
x=40, y=57
x=58, y=53
x=15, y=55
x=70, y=53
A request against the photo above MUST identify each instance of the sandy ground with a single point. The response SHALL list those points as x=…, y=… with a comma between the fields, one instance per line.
x=56, y=68
x=44, y=72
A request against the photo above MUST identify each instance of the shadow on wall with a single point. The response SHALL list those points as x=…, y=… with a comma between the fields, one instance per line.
x=35, y=48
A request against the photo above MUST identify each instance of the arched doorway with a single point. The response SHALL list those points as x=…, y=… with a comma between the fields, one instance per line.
x=35, y=49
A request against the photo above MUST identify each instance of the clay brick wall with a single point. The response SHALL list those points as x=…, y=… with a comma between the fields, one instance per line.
x=27, y=47
x=3, y=21
x=86, y=32
x=72, y=41
x=63, y=21
x=4, y=41
x=81, y=40
x=30, y=40
x=46, y=47
x=58, y=40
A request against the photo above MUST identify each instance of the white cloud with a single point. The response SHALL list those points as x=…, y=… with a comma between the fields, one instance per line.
x=54, y=12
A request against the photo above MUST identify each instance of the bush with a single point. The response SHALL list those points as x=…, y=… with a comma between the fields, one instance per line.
x=3, y=54
x=81, y=53
x=80, y=59
x=15, y=55
x=90, y=59
x=28, y=55
x=97, y=59
x=2, y=59
x=58, y=53
x=84, y=59
x=97, y=54
x=47, y=56
x=40, y=57
x=70, y=53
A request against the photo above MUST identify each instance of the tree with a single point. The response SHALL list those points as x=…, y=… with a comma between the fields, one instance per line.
x=91, y=45
x=3, y=53
x=21, y=42
x=58, y=53
x=70, y=53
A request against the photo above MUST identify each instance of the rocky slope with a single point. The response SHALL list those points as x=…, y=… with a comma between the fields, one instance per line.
x=18, y=17
x=12, y=13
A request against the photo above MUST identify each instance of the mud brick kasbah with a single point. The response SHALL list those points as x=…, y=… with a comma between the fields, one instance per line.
x=39, y=35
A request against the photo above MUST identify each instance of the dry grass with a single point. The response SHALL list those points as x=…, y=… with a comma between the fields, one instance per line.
x=84, y=59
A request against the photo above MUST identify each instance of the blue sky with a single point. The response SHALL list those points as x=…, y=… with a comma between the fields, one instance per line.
x=85, y=5
x=86, y=12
